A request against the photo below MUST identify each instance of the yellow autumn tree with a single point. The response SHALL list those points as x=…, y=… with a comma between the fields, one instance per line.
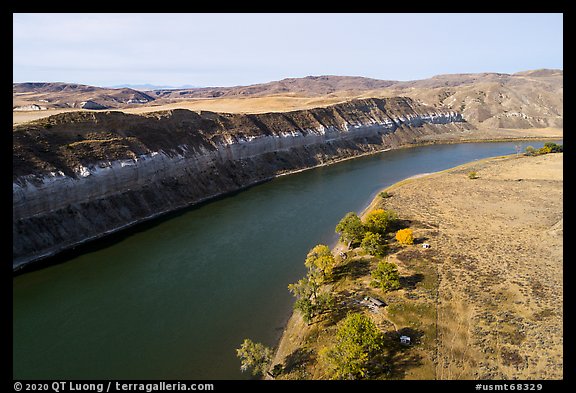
x=405, y=236
x=320, y=260
x=379, y=220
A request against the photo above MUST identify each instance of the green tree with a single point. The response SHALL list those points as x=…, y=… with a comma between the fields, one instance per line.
x=386, y=276
x=309, y=301
x=306, y=308
x=255, y=356
x=357, y=339
x=372, y=244
x=303, y=288
x=350, y=228
x=306, y=288
x=553, y=147
x=324, y=302
x=321, y=260
x=379, y=220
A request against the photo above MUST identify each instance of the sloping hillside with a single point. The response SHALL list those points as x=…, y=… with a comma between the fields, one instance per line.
x=42, y=96
x=528, y=99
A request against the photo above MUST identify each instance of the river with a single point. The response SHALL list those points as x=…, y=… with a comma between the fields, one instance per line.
x=174, y=298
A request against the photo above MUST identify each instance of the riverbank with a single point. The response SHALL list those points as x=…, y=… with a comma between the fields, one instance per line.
x=485, y=300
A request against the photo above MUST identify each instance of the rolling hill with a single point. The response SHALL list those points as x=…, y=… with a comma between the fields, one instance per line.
x=528, y=99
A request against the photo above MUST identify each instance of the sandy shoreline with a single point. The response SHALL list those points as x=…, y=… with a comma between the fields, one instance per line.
x=497, y=251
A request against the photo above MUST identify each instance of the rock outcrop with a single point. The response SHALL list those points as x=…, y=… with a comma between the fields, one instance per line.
x=33, y=107
x=81, y=175
x=92, y=105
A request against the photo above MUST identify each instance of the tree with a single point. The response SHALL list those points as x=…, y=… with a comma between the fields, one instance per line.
x=372, y=244
x=320, y=259
x=305, y=290
x=324, y=302
x=405, y=236
x=357, y=338
x=386, y=276
x=309, y=302
x=379, y=220
x=255, y=356
x=350, y=228
x=553, y=147
x=306, y=308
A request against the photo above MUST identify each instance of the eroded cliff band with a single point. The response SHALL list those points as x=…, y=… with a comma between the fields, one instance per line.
x=79, y=176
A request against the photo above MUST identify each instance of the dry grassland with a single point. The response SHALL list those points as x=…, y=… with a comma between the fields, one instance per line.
x=485, y=301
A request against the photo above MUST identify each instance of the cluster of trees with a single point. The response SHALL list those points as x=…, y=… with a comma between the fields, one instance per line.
x=549, y=147
x=310, y=299
x=368, y=233
x=357, y=337
x=358, y=340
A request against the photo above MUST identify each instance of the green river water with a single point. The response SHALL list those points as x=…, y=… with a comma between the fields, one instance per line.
x=174, y=298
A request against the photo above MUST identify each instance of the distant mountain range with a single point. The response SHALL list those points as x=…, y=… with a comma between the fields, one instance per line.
x=522, y=100
x=148, y=87
x=51, y=95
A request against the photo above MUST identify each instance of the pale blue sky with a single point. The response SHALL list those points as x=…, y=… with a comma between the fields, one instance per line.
x=241, y=49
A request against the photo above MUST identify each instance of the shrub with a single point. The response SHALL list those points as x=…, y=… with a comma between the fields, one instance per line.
x=405, y=236
x=549, y=147
x=530, y=150
x=472, y=175
x=544, y=150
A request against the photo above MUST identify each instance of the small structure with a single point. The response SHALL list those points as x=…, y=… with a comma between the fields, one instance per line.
x=425, y=245
x=405, y=340
x=375, y=302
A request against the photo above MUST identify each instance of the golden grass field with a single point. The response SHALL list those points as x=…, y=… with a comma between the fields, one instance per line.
x=272, y=103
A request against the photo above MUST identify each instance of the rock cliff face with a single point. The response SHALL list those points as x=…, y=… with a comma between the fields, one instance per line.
x=79, y=176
